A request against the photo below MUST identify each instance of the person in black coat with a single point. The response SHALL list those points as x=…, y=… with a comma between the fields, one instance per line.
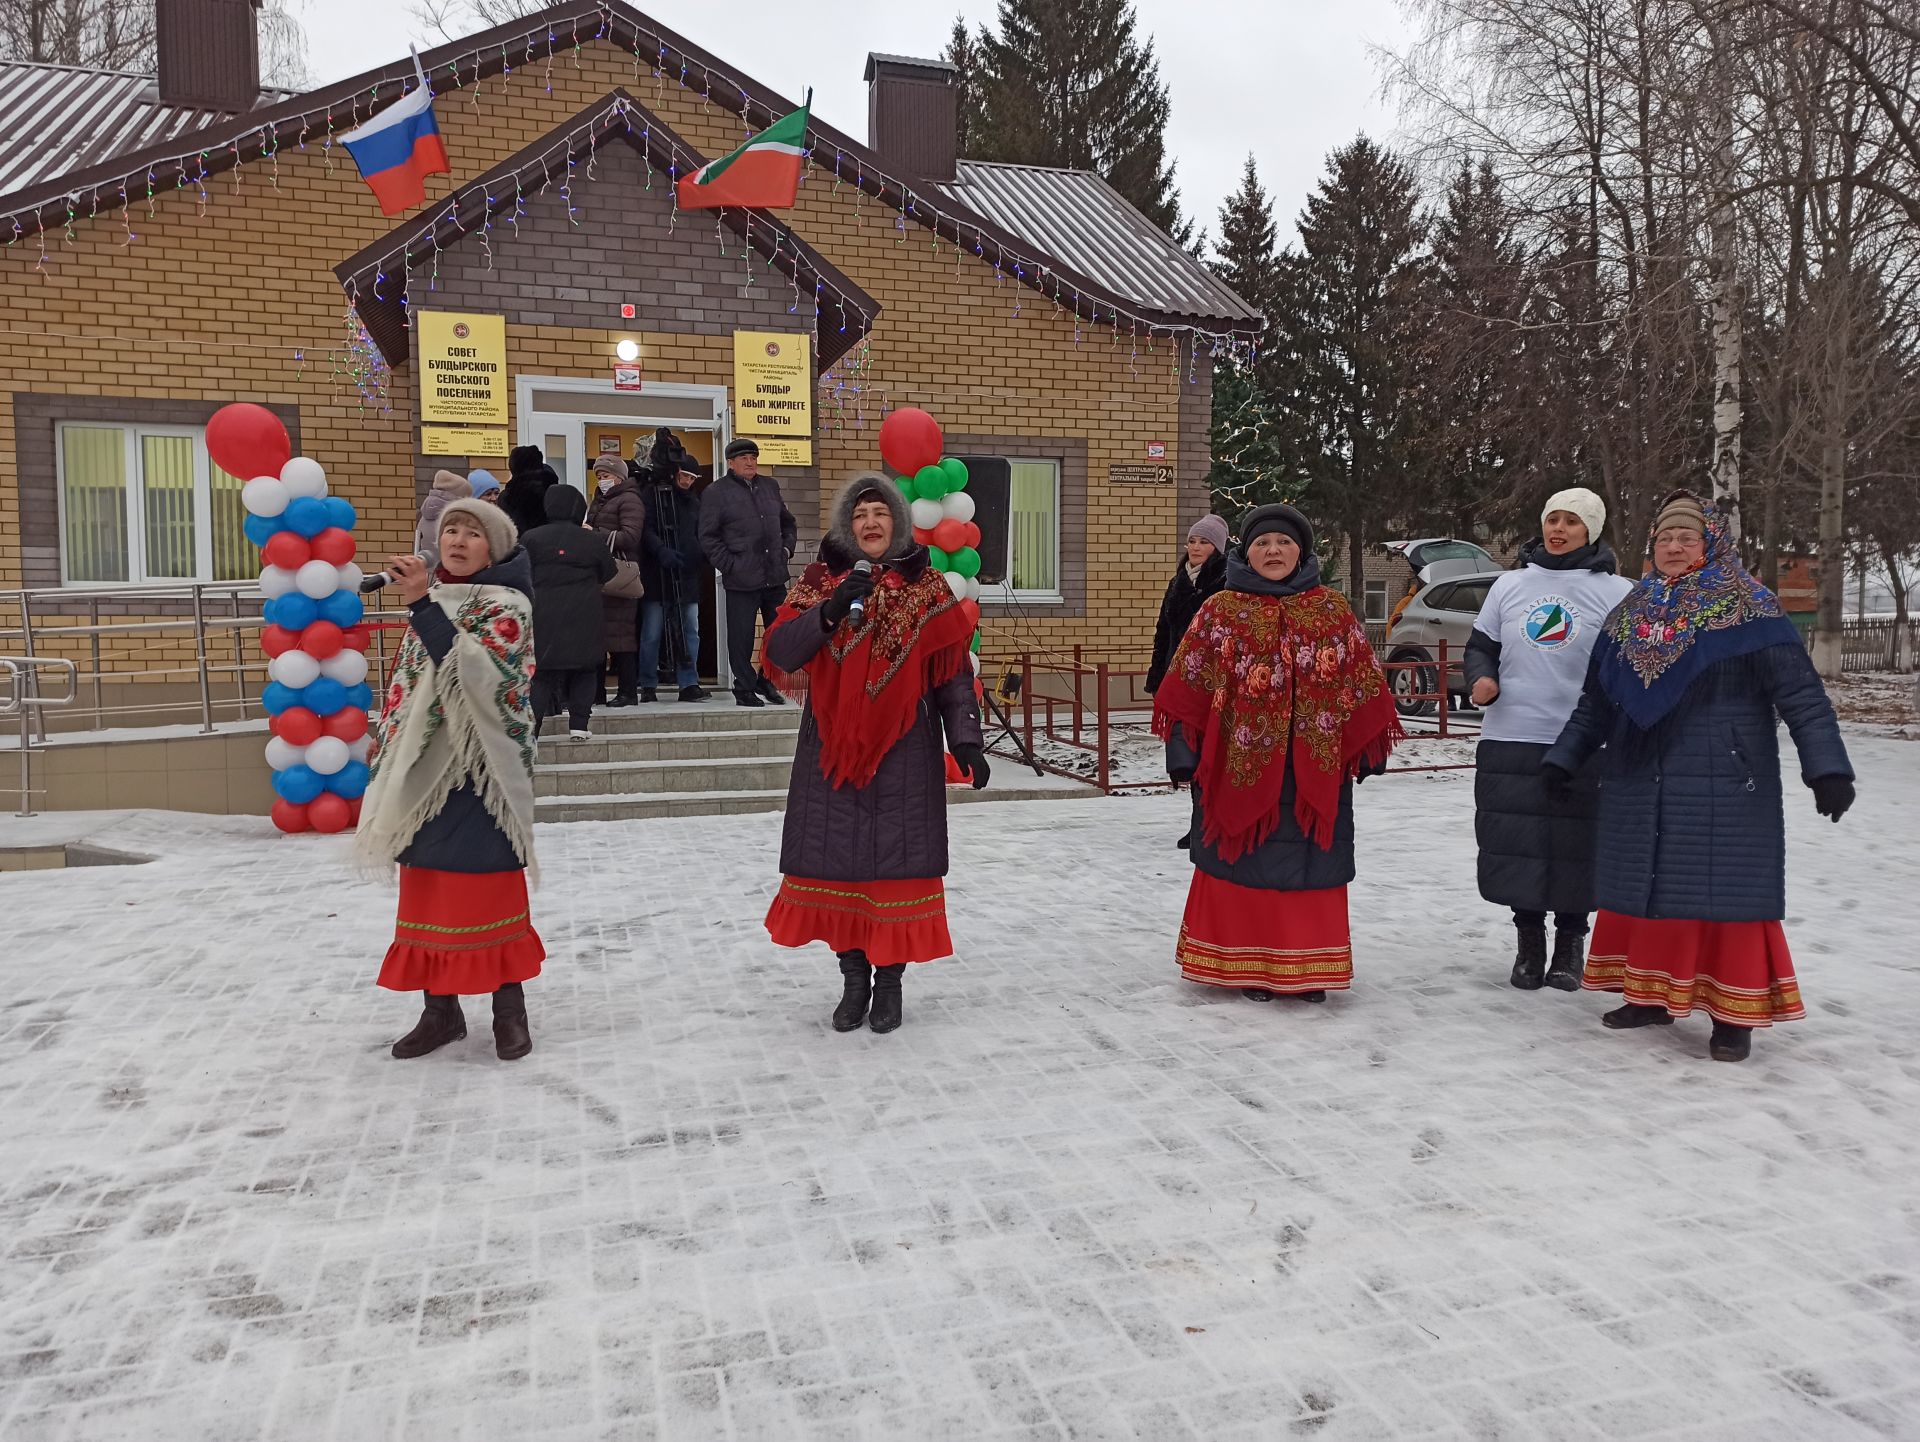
x=570, y=565
x=1679, y=706
x=670, y=562
x=749, y=536
x=1201, y=573
x=524, y=497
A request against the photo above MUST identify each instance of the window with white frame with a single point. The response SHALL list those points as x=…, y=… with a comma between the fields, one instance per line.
x=1017, y=507
x=1376, y=600
x=142, y=503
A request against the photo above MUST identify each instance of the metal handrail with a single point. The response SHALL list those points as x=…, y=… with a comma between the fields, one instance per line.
x=25, y=700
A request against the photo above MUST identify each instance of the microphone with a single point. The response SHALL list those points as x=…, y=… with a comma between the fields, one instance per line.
x=379, y=581
x=857, y=612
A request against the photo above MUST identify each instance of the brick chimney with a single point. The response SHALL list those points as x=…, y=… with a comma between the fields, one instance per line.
x=209, y=53
x=912, y=114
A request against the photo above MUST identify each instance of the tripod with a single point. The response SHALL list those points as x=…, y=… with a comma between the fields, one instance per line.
x=1000, y=712
x=673, y=640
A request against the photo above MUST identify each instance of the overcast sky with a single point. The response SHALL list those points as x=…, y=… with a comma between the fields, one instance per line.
x=1287, y=80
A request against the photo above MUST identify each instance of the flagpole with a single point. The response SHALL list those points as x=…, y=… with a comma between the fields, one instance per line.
x=420, y=70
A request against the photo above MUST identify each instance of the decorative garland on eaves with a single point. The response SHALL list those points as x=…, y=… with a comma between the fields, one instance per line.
x=471, y=67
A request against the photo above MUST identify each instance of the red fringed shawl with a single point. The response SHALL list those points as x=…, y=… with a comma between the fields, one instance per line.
x=867, y=680
x=1260, y=680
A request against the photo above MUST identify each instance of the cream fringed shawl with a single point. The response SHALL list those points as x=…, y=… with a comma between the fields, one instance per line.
x=466, y=719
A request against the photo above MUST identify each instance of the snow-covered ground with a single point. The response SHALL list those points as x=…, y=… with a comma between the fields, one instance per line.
x=1073, y=1197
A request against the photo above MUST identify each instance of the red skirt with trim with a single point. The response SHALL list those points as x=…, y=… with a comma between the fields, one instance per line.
x=461, y=933
x=1738, y=972
x=891, y=921
x=1281, y=941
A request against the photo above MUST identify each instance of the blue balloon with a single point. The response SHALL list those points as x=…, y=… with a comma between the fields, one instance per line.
x=360, y=698
x=298, y=784
x=340, y=512
x=306, y=516
x=343, y=608
x=324, y=697
x=350, y=781
x=292, y=612
x=277, y=698
x=261, y=529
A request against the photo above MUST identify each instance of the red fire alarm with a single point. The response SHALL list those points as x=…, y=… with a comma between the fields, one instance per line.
x=626, y=312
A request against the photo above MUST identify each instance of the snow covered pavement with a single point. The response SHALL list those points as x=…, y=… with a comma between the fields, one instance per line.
x=1073, y=1198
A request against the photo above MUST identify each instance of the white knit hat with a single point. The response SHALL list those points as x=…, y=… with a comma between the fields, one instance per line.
x=1581, y=502
x=502, y=535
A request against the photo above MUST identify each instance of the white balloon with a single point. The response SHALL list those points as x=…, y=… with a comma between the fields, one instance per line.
x=317, y=579
x=328, y=755
x=282, y=754
x=973, y=588
x=303, y=477
x=350, y=577
x=275, y=582
x=956, y=506
x=957, y=584
x=926, y=514
x=346, y=666
x=264, y=496
x=294, y=668
x=360, y=750
x=974, y=656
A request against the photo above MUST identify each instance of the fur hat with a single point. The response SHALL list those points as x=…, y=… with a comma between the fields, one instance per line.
x=448, y=483
x=501, y=535
x=484, y=483
x=1581, y=502
x=1213, y=531
x=524, y=458
x=864, y=486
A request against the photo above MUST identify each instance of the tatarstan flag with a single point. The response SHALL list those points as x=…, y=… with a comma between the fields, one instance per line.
x=764, y=173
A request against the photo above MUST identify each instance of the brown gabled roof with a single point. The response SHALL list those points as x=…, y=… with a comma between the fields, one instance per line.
x=844, y=311
x=555, y=31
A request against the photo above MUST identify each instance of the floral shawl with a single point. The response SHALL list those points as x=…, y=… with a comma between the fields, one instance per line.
x=1262, y=682
x=865, y=684
x=1660, y=638
x=464, y=720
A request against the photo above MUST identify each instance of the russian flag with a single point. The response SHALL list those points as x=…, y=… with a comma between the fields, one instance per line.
x=398, y=149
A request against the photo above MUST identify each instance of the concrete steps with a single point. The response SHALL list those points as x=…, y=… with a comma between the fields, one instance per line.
x=640, y=807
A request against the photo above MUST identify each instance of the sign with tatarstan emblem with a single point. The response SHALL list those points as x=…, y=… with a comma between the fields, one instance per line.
x=463, y=367
x=772, y=384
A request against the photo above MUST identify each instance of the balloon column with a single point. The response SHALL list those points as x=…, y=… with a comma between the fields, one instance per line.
x=318, y=696
x=936, y=492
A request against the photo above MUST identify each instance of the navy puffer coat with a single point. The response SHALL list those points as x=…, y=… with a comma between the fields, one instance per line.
x=1691, y=821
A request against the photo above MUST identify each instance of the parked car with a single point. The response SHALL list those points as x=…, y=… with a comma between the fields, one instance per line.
x=1442, y=610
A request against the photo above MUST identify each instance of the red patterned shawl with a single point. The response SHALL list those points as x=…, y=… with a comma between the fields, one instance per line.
x=866, y=682
x=1263, y=680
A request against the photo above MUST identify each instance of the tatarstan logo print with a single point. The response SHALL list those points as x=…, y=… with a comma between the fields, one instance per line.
x=1552, y=623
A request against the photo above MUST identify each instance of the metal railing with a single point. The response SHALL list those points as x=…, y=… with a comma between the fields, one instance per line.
x=26, y=698
x=214, y=628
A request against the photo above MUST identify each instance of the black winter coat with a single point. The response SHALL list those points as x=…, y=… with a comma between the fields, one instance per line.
x=524, y=497
x=1287, y=860
x=1536, y=849
x=621, y=514
x=1691, y=822
x=669, y=506
x=748, y=533
x=1177, y=610
x=570, y=565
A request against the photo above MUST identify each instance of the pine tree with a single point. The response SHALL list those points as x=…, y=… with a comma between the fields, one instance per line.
x=1347, y=326
x=1251, y=463
x=1245, y=254
x=1066, y=83
x=963, y=54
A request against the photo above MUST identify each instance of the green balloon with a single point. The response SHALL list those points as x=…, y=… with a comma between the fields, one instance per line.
x=905, y=483
x=930, y=483
x=967, y=562
x=976, y=641
x=939, y=559
x=956, y=470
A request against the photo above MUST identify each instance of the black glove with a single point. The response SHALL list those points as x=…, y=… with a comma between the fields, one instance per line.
x=1832, y=796
x=1180, y=775
x=857, y=587
x=671, y=559
x=972, y=760
x=1559, y=781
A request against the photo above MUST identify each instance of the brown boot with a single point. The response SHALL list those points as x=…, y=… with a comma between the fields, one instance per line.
x=440, y=1023
x=511, y=1039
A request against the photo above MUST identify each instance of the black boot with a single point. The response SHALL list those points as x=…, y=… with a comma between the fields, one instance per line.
x=746, y=698
x=1633, y=1014
x=511, y=1039
x=1569, y=959
x=692, y=693
x=858, y=991
x=1256, y=993
x=885, y=1015
x=648, y=695
x=440, y=1023
x=1186, y=841
x=1313, y=996
x=1530, y=965
x=1730, y=1042
x=770, y=693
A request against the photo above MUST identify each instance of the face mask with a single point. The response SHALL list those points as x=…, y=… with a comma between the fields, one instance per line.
x=607, y=483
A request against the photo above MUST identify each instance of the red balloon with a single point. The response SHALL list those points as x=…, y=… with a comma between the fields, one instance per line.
x=334, y=546
x=971, y=610
x=297, y=726
x=910, y=439
x=278, y=640
x=322, y=639
x=923, y=535
x=247, y=440
x=356, y=638
x=286, y=549
x=290, y=818
x=970, y=534
x=328, y=813
x=348, y=725
x=947, y=536
x=353, y=811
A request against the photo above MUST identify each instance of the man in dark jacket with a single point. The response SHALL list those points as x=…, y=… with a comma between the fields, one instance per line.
x=669, y=565
x=749, y=535
x=570, y=565
x=524, y=497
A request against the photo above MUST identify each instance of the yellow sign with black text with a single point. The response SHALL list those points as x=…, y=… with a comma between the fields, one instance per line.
x=772, y=384
x=463, y=367
x=462, y=441
x=775, y=451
